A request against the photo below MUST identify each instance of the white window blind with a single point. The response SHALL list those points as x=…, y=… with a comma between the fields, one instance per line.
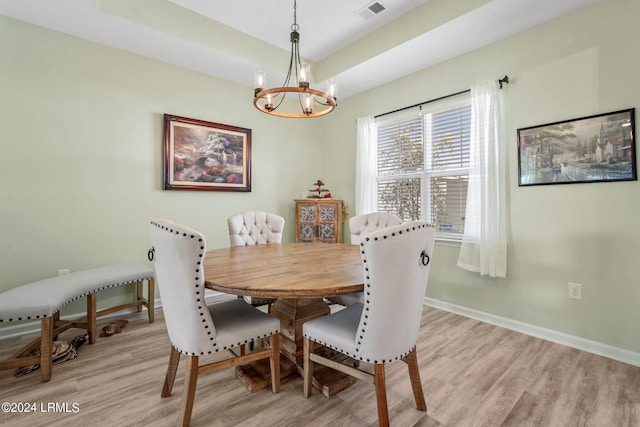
x=423, y=166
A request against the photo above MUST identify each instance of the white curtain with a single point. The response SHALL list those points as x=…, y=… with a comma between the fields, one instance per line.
x=484, y=245
x=366, y=161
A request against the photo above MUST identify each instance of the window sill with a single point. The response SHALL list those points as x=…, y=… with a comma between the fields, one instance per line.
x=448, y=241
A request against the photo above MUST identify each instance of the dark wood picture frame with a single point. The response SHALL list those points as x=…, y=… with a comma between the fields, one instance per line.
x=596, y=148
x=206, y=156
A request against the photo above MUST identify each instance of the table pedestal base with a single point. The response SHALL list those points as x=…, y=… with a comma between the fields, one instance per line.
x=292, y=314
x=257, y=375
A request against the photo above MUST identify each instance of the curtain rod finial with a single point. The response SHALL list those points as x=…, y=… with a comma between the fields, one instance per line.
x=505, y=79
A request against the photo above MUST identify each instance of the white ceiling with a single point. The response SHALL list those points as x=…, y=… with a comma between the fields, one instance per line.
x=325, y=26
x=249, y=34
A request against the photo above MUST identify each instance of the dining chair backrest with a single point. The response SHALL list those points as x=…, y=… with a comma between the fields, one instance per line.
x=366, y=223
x=396, y=269
x=179, y=253
x=255, y=227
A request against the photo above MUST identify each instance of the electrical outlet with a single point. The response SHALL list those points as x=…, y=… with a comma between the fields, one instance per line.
x=63, y=271
x=575, y=290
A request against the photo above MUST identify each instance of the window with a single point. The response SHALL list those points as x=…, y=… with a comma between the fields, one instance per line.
x=423, y=165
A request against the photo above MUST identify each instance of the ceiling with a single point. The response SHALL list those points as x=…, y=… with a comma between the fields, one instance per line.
x=232, y=39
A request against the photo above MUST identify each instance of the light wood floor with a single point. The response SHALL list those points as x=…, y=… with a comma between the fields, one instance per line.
x=474, y=374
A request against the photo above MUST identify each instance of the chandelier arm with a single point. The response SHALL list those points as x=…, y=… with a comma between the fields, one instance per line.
x=296, y=61
x=321, y=99
x=282, y=96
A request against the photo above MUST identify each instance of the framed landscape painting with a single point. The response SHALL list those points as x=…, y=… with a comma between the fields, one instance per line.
x=588, y=149
x=206, y=156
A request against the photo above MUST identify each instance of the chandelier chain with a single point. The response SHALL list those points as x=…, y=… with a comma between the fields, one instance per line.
x=295, y=26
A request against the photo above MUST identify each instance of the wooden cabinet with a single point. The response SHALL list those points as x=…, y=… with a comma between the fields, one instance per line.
x=319, y=220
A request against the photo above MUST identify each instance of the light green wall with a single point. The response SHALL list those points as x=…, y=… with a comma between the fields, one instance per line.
x=583, y=64
x=81, y=174
x=81, y=162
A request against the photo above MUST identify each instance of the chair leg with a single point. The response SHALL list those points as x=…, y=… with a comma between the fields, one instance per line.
x=189, y=392
x=381, y=395
x=46, y=347
x=274, y=362
x=308, y=367
x=170, y=377
x=416, y=384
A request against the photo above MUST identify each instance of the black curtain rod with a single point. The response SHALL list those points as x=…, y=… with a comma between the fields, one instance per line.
x=423, y=103
x=502, y=81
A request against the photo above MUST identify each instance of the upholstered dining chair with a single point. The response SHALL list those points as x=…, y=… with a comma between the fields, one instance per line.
x=253, y=228
x=196, y=329
x=359, y=226
x=396, y=262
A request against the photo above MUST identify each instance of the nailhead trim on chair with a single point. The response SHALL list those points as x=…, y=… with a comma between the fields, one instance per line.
x=367, y=285
x=366, y=307
x=198, y=287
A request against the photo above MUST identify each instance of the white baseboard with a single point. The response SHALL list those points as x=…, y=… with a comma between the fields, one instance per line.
x=595, y=347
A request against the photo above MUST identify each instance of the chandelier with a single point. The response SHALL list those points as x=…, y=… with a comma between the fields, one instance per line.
x=312, y=102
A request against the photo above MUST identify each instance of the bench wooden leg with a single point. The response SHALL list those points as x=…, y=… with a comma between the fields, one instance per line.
x=91, y=317
x=46, y=347
x=151, y=294
x=148, y=301
x=139, y=294
x=56, y=320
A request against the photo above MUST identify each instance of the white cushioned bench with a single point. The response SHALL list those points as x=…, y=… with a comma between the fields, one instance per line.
x=44, y=299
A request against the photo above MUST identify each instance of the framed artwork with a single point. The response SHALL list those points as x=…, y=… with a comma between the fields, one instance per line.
x=206, y=156
x=588, y=149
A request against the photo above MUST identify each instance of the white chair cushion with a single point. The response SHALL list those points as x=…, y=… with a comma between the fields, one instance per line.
x=367, y=223
x=337, y=331
x=255, y=227
x=238, y=323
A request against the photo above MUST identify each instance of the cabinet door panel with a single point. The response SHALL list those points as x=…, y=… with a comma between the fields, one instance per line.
x=318, y=220
x=328, y=232
x=307, y=231
x=307, y=213
x=327, y=213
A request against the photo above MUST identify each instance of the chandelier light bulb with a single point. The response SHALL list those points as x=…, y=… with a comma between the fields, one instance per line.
x=305, y=74
x=332, y=89
x=259, y=81
x=307, y=103
x=269, y=104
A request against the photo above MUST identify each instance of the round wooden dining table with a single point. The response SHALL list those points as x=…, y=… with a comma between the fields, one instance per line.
x=299, y=275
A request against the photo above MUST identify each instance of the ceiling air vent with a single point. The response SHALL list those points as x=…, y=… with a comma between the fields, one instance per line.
x=371, y=10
